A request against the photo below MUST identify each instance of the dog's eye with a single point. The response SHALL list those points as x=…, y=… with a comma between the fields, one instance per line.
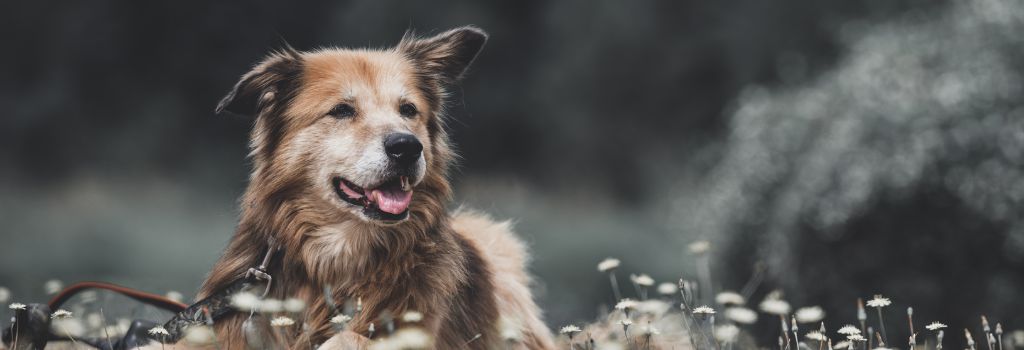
x=407, y=110
x=343, y=110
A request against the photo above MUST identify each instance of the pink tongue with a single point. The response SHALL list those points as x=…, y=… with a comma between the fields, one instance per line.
x=391, y=200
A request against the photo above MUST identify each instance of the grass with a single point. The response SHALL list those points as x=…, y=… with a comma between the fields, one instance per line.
x=685, y=314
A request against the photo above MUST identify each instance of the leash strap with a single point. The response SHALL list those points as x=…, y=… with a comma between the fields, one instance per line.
x=218, y=304
x=34, y=320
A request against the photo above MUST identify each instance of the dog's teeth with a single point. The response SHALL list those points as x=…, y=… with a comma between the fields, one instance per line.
x=405, y=183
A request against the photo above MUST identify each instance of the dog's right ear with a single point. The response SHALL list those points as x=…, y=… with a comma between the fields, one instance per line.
x=263, y=84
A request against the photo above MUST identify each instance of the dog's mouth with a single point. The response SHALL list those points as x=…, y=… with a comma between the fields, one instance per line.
x=387, y=201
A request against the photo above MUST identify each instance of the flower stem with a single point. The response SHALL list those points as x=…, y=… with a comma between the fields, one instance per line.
x=881, y=324
x=615, y=286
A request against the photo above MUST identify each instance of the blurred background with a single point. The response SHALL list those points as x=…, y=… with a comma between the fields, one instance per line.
x=848, y=148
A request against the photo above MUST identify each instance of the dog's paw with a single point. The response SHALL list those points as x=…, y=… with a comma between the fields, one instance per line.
x=346, y=340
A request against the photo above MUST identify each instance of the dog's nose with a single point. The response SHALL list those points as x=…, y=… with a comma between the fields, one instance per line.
x=403, y=148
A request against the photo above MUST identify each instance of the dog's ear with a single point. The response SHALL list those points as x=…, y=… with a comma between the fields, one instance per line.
x=263, y=84
x=446, y=55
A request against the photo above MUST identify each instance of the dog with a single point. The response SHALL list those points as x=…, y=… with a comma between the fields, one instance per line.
x=350, y=162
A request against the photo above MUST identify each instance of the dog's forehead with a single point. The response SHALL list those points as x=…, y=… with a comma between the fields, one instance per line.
x=381, y=76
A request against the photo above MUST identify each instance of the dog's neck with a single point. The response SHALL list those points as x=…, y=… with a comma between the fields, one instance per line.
x=323, y=247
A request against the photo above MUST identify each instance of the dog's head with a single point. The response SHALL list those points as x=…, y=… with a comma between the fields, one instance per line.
x=358, y=129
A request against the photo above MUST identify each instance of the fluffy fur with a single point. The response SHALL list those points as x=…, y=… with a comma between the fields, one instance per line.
x=462, y=271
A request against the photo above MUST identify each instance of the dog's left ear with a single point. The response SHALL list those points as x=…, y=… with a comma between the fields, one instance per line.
x=447, y=54
x=264, y=84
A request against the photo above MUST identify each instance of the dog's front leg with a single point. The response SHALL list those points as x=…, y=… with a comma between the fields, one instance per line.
x=346, y=340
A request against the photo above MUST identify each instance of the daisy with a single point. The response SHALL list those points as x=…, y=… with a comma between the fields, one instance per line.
x=340, y=319
x=282, y=321
x=727, y=333
x=741, y=315
x=61, y=314
x=245, y=301
x=158, y=330
x=934, y=326
x=412, y=316
x=651, y=330
x=849, y=329
x=855, y=337
x=199, y=335
x=775, y=306
x=704, y=309
x=879, y=302
x=815, y=335
x=730, y=298
x=570, y=330
x=810, y=314
x=608, y=264
x=699, y=247
x=16, y=306
x=626, y=304
x=663, y=289
x=642, y=280
x=294, y=305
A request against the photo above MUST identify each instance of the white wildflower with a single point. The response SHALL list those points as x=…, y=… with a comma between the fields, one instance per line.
x=740, y=315
x=730, y=298
x=608, y=264
x=94, y=320
x=175, y=295
x=704, y=309
x=340, y=319
x=849, y=329
x=626, y=304
x=245, y=301
x=699, y=247
x=294, y=305
x=727, y=333
x=663, y=288
x=879, y=302
x=282, y=321
x=934, y=326
x=775, y=306
x=199, y=335
x=1017, y=336
x=626, y=322
x=816, y=335
x=653, y=307
x=68, y=327
x=16, y=306
x=651, y=330
x=642, y=280
x=511, y=330
x=570, y=330
x=271, y=306
x=810, y=314
x=412, y=316
x=60, y=314
x=161, y=331
x=53, y=286
x=855, y=337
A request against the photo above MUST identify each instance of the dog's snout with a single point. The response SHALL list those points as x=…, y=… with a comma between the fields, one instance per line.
x=403, y=148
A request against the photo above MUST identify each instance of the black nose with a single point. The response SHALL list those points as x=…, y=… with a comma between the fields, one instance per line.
x=403, y=148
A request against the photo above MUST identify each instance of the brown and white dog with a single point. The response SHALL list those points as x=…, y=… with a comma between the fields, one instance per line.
x=350, y=165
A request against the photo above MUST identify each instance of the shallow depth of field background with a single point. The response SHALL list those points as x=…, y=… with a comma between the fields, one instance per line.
x=851, y=147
